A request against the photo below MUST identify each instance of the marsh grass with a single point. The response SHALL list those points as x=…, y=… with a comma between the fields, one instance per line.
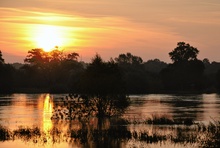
x=199, y=134
x=161, y=120
x=5, y=133
x=210, y=134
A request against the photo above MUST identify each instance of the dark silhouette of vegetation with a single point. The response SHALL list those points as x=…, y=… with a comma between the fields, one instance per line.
x=1, y=58
x=102, y=86
x=127, y=59
x=6, y=76
x=161, y=120
x=102, y=78
x=152, y=72
x=63, y=73
x=186, y=71
x=184, y=52
x=198, y=135
x=100, y=94
x=49, y=71
x=133, y=72
x=5, y=134
x=98, y=90
x=154, y=66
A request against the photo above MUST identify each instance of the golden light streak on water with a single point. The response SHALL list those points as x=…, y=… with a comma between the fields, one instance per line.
x=47, y=113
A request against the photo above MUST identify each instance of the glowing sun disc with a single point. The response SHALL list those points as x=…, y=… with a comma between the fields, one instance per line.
x=47, y=37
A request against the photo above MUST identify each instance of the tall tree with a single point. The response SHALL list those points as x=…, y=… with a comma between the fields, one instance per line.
x=186, y=73
x=103, y=87
x=183, y=52
x=1, y=58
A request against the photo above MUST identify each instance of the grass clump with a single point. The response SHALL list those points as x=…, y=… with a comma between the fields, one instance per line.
x=27, y=133
x=162, y=120
x=5, y=134
x=156, y=119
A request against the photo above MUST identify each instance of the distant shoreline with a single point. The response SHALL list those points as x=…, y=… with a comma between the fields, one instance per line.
x=47, y=90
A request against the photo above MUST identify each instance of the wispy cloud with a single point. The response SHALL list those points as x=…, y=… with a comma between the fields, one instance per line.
x=143, y=25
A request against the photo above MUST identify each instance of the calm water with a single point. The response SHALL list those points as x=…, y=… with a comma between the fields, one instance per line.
x=36, y=109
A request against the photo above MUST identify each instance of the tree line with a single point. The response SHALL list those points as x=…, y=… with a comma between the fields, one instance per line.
x=56, y=72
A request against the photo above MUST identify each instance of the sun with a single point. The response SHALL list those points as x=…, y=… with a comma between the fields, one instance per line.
x=48, y=37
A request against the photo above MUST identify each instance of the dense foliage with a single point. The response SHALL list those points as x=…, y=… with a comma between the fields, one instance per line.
x=58, y=72
x=100, y=93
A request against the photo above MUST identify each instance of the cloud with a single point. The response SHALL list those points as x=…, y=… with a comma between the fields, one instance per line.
x=148, y=26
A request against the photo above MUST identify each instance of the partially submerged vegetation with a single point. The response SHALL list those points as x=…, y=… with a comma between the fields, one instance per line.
x=161, y=120
x=83, y=107
x=101, y=93
x=199, y=135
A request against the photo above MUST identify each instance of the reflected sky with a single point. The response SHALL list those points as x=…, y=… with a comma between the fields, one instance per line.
x=204, y=107
x=211, y=105
x=31, y=110
x=26, y=110
x=36, y=109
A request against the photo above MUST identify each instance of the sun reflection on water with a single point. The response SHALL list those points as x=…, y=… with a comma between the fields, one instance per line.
x=47, y=113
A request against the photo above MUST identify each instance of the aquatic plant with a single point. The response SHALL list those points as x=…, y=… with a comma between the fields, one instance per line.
x=161, y=120
x=27, y=133
x=210, y=134
x=198, y=135
x=5, y=134
x=82, y=107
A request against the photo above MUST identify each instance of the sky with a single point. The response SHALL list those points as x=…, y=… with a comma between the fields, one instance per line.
x=146, y=28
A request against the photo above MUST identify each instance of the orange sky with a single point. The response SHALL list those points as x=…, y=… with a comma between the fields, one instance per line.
x=146, y=28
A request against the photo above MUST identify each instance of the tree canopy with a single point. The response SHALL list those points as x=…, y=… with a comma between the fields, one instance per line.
x=184, y=52
x=102, y=78
x=36, y=56
x=102, y=87
x=186, y=73
x=128, y=58
x=58, y=72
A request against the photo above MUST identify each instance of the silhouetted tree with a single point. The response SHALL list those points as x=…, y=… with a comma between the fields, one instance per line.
x=128, y=59
x=103, y=87
x=6, y=78
x=55, y=55
x=152, y=69
x=53, y=71
x=154, y=66
x=184, y=52
x=186, y=73
x=134, y=74
x=206, y=62
x=37, y=69
x=36, y=56
x=1, y=58
x=73, y=56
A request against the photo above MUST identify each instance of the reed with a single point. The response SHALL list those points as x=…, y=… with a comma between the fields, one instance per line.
x=199, y=135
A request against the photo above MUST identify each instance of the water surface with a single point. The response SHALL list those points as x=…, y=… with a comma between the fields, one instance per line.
x=30, y=110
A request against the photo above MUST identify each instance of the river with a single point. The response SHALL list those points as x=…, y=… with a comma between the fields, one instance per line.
x=30, y=110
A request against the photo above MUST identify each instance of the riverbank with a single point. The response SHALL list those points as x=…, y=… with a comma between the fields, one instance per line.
x=66, y=91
